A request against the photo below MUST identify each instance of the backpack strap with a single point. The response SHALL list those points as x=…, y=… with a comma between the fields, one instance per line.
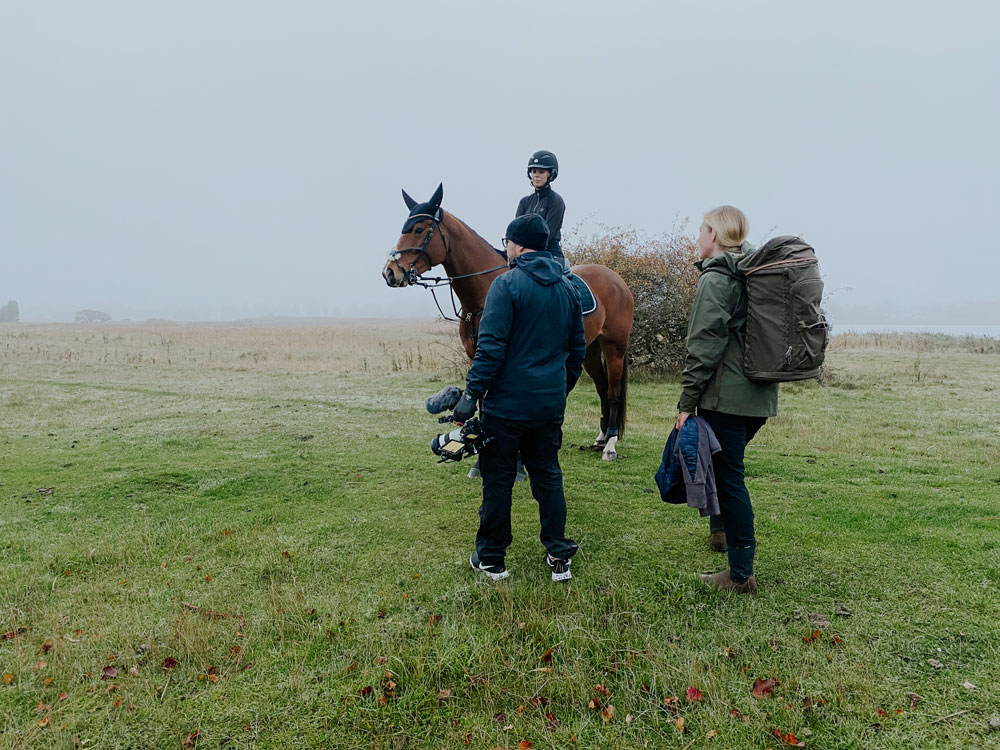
x=725, y=272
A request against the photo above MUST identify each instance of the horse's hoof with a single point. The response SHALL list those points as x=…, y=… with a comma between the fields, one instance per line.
x=609, y=456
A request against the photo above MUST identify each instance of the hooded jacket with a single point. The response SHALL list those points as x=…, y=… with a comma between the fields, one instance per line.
x=713, y=376
x=550, y=206
x=685, y=474
x=531, y=342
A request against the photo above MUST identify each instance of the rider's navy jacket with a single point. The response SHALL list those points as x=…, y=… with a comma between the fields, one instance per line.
x=531, y=343
x=550, y=205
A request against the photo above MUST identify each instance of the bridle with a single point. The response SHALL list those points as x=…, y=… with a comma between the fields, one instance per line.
x=411, y=274
x=415, y=278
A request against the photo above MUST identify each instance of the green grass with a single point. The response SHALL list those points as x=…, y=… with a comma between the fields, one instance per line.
x=340, y=563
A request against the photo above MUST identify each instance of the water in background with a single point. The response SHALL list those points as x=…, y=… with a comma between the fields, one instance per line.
x=952, y=330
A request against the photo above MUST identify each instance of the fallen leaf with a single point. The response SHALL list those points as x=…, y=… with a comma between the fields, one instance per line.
x=680, y=723
x=365, y=691
x=134, y=671
x=593, y=705
x=628, y=720
x=727, y=652
x=764, y=688
x=523, y=745
x=169, y=663
x=444, y=694
x=46, y=645
x=672, y=704
x=602, y=690
x=109, y=673
x=608, y=712
x=914, y=699
x=935, y=663
x=774, y=645
x=8, y=678
x=43, y=721
x=434, y=619
x=63, y=696
x=841, y=611
x=537, y=701
x=814, y=636
x=190, y=739
x=788, y=738
x=693, y=695
x=711, y=734
x=968, y=685
x=500, y=717
x=551, y=722
x=41, y=707
x=547, y=656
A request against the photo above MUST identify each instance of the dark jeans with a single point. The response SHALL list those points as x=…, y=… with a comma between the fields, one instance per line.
x=538, y=445
x=733, y=433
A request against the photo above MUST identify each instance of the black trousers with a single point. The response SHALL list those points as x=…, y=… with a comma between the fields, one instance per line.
x=733, y=433
x=539, y=446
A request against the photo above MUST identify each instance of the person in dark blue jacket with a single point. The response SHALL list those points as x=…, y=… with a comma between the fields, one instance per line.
x=529, y=357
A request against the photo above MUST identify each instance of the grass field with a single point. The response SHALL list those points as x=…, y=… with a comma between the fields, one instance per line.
x=238, y=537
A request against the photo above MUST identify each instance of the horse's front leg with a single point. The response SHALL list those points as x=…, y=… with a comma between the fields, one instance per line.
x=465, y=333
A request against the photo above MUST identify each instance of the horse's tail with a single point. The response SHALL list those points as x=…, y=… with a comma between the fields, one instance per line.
x=623, y=396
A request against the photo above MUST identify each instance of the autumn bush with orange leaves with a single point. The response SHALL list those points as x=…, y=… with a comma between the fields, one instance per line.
x=660, y=272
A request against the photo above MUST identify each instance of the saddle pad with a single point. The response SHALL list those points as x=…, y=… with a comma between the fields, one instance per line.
x=587, y=298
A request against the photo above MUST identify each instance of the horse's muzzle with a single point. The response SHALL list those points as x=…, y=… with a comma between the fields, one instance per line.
x=391, y=278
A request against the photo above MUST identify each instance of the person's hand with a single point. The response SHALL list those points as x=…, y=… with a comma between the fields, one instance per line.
x=682, y=417
x=466, y=408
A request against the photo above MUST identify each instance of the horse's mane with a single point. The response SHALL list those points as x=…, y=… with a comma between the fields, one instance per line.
x=476, y=234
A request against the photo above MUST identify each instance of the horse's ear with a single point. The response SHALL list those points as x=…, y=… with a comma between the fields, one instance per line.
x=410, y=203
x=438, y=196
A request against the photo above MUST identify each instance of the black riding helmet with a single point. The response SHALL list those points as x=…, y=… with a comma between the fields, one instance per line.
x=544, y=160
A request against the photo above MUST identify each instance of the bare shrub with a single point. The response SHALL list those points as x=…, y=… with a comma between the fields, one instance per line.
x=660, y=273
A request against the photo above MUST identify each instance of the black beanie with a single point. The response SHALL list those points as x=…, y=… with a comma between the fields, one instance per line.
x=529, y=231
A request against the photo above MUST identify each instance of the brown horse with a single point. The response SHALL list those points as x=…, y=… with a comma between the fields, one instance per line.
x=432, y=237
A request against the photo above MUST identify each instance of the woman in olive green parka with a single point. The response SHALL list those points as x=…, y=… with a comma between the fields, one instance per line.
x=714, y=385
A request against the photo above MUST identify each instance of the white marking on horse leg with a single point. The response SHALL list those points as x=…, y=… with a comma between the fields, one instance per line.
x=601, y=438
x=609, y=450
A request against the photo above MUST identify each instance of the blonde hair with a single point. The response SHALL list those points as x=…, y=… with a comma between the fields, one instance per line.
x=730, y=225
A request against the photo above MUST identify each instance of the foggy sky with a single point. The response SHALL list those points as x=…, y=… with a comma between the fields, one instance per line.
x=217, y=160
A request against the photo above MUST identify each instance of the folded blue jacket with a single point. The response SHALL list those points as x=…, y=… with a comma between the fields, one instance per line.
x=685, y=474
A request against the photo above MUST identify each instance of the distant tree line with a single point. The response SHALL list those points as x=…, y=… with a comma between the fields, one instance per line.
x=10, y=313
x=92, y=316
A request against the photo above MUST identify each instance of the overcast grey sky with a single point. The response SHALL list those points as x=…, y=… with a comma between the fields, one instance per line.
x=214, y=160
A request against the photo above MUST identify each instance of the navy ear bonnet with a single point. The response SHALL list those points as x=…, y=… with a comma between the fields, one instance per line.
x=419, y=213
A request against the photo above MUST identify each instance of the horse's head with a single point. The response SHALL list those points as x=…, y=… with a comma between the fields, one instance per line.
x=420, y=247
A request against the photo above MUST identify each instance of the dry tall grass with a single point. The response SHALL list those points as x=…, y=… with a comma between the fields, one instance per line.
x=914, y=342
x=374, y=347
